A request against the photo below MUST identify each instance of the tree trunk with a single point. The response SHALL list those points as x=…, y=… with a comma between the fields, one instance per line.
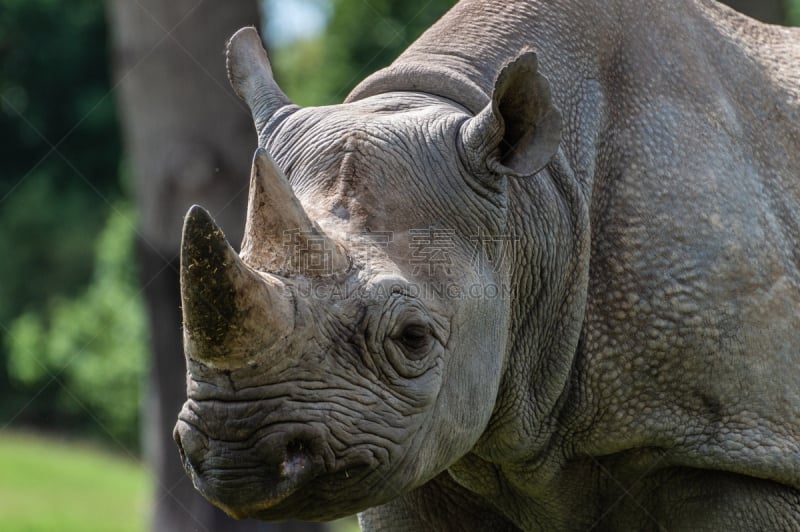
x=189, y=140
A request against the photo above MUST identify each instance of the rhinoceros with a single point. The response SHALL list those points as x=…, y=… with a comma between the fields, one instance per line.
x=541, y=273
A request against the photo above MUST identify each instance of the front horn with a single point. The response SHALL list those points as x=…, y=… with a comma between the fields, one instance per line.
x=229, y=310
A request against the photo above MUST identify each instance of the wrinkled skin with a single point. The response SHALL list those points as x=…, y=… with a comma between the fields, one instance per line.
x=640, y=367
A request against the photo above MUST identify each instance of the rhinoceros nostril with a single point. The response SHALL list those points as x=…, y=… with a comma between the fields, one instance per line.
x=296, y=460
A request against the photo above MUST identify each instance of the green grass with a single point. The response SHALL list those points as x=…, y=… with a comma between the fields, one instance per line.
x=48, y=484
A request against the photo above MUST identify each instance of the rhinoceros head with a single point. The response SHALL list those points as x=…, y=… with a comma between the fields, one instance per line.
x=355, y=348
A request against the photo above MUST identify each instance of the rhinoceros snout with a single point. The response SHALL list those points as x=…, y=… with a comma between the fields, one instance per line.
x=246, y=479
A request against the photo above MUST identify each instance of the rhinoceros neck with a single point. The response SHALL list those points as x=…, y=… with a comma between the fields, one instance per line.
x=459, y=57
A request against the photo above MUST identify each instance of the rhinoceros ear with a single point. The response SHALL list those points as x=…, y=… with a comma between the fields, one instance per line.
x=250, y=75
x=519, y=131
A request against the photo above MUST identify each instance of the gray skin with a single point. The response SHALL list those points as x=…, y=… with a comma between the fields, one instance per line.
x=642, y=369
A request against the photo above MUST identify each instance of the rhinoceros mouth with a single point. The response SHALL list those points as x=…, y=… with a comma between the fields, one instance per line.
x=244, y=483
x=244, y=494
x=271, y=494
x=321, y=499
x=291, y=476
x=304, y=496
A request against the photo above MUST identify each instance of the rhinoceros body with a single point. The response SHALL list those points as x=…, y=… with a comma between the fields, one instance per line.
x=542, y=273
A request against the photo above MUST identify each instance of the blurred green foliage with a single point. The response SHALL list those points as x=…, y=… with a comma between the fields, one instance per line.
x=361, y=37
x=59, y=159
x=93, y=345
x=794, y=12
x=55, y=88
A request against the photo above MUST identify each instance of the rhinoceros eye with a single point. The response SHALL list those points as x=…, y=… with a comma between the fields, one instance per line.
x=415, y=337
